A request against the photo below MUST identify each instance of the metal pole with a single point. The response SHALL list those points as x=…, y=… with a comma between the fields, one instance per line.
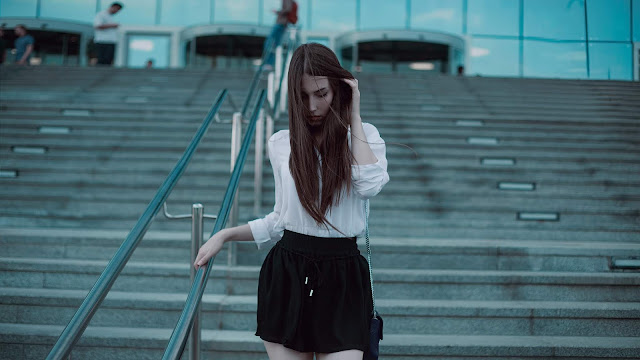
x=197, y=212
x=283, y=92
x=354, y=56
x=257, y=170
x=269, y=132
x=271, y=91
x=236, y=142
x=278, y=65
x=236, y=138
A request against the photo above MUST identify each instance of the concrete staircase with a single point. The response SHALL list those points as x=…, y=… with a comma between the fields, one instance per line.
x=458, y=275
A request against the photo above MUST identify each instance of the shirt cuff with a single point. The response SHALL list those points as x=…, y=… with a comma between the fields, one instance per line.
x=260, y=232
x=359, y=172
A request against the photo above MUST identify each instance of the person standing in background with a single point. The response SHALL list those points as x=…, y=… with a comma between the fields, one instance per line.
x=273, y=40
x=3, y=47
x=23, y=45
x=105, y=34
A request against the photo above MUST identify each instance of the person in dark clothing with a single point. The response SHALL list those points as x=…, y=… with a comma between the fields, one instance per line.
x=3, y=47
x=24, y=45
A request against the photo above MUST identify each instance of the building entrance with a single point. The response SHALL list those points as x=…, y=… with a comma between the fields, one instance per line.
x=400, y=51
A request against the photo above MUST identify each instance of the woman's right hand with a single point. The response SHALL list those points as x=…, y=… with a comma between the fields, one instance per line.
x=210, y=249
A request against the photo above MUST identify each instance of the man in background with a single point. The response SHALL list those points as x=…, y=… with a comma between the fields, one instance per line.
x=3, y=46
x=23, y=44
x=105, y=34
x=278, y=29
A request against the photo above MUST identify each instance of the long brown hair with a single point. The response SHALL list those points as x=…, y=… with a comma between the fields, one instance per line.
x=305, y=165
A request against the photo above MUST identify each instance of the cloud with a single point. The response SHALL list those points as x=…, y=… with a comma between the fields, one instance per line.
x=479, y=52
x=142, y=45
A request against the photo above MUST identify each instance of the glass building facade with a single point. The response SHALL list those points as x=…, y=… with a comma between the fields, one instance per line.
x=575, y=39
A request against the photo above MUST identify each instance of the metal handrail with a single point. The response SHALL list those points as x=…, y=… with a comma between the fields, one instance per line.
x=233, y=106
x=180, y=334
x=76, y=326
x=256, y=78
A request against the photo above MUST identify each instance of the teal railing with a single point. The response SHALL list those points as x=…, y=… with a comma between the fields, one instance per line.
x=79, y=322
x=98, y=292
x=180, y=333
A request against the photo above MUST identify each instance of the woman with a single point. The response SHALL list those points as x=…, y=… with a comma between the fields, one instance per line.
x=314, y=293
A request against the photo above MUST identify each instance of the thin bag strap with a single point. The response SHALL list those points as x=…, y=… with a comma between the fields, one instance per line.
x=366, y=234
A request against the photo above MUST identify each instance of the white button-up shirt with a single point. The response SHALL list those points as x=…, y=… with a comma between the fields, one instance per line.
x=347, y=216
x=108, y=36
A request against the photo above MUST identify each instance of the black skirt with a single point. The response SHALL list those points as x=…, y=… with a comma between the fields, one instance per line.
x=314, y=295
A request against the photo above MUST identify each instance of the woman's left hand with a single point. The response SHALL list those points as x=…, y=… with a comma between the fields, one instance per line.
x=355, y=99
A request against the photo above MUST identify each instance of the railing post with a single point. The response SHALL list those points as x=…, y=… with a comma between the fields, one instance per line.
x=197, y=213
x=236, y=142
x=268, y=133
x=236, y=138
x=257, y=170
x=278, y=64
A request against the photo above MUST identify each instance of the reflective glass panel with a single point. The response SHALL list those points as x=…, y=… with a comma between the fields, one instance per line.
x=493, y=17
x=18, y=8
x=333, y=15
x=494, y=57
x=139, y=12
x=437, y=15
x=236, y=11
x=174, y=12
x=554, y=19
x=611, y=61
x=78, y=10
x=636, y=19
x=609, y=20
x=320, y=40
x=376, y=14
x=554, y=60
x=148, y=47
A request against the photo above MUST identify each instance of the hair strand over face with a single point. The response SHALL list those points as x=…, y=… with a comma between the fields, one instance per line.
x=320, y=169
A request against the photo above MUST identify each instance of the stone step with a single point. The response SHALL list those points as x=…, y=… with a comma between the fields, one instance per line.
x=18, y=128
x=18, y=340
x=373, y=116
x=34, y=175
x=390, y=283
x=125, y=142
x=33, y=169
x=388, y=253
x=465, y=159
x=456, y=225
x=454, y=198
x=402, y=208
x=387, y=124
x=418, y=214
x=427, y=317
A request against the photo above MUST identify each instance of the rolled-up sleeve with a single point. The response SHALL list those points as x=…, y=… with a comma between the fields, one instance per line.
x=369, y=179
x=263, y=229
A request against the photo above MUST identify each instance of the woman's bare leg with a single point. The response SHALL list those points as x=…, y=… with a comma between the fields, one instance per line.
x=341, y=355
x=279, y=352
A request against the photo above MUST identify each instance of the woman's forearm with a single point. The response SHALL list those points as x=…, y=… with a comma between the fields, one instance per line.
x=238, y=233
x=360, y=148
